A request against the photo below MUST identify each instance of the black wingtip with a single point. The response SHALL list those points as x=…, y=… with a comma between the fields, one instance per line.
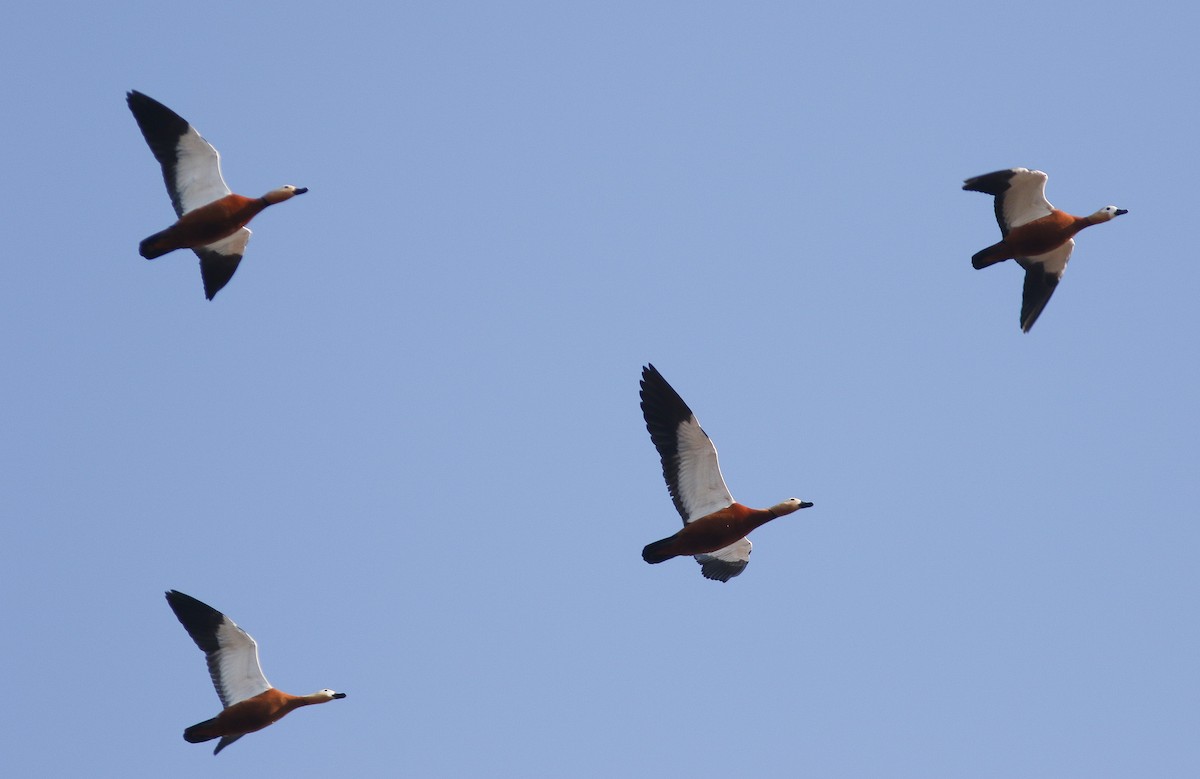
x=216, y=270
x=719, y=570
x=994, y=183
x=200, y=620
x=226, y=741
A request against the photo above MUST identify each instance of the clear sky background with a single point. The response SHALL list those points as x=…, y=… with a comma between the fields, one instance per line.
x=403, y=447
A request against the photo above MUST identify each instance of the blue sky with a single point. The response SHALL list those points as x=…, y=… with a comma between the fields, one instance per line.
x=403, y=447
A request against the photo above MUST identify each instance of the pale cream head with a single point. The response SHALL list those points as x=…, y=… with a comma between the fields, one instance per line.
x=327, y=695
x=286, y=192
x=1108, y=212
x=788, y=506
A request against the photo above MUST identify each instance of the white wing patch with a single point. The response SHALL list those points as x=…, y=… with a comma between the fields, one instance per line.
x=1053, y=261
x=701, y=486
x=234, y=667
x=231, y=244
x=1025, y=199
x=198, y=178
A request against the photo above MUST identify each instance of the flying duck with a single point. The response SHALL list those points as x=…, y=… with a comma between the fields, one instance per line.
x=250, y=702
x=1036, y=234
x=212, y=220
x=714, y=525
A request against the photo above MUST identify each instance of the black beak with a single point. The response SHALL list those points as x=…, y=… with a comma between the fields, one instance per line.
x=804, y=504
x=1122, y=211
x=337, y=695
x=301, y=190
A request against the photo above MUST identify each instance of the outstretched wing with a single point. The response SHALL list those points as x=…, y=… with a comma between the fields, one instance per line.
x=219, y=261
x=1042, y=273
x=727, y=562
x=231, y=653
x=1020, y=195
x=191, y=167
x=689, y=459
x=226, y=741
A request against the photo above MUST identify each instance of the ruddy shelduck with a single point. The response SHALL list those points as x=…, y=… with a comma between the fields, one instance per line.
x=1036, y=234
x=212, y=220
x=250, y=702
x=714, y=524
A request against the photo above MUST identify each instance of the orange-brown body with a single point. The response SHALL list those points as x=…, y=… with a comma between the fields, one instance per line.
x=1034, y=238
x=709, y=533
x=204, y=225
x=248, y=716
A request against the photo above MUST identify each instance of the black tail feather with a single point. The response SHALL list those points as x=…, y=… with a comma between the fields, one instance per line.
x=148, y=250
x=196, y=735
x=980, y=259
x=657, y=551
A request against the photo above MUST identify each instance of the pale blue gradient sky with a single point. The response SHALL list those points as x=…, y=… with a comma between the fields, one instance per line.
x=403, y=447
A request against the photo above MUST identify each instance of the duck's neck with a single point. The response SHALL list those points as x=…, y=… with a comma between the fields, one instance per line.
x=296, y=701
x=762, y=517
